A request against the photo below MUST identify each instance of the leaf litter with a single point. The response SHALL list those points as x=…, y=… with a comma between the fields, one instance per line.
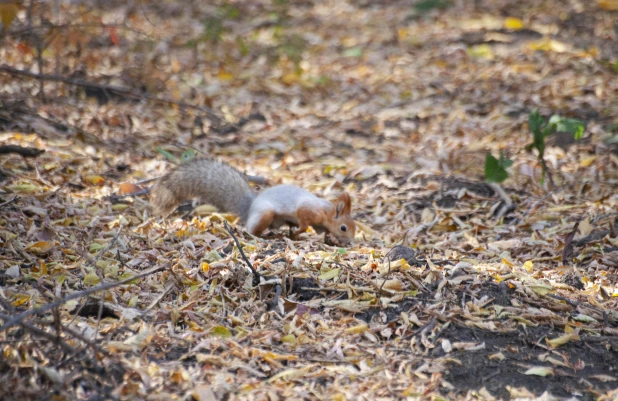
x=446, y=294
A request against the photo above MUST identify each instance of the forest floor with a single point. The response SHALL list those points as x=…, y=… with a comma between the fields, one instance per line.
x=453, y=289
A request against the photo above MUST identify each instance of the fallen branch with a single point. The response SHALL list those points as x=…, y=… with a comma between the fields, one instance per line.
x=17, y=319
x=507, y=205
x=567, y=252
x=118, y=90
x=256, y=275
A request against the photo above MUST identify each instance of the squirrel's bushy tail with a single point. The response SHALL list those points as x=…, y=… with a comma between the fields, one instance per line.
x=207, y=180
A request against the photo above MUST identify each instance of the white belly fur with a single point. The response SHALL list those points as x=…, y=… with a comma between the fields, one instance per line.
x=284, y=200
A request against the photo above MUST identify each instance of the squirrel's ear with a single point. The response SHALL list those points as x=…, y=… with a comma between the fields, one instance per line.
x=344, y=204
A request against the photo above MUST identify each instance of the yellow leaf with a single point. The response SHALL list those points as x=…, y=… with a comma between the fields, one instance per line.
x=392, y=284
x=289, y=339
x=481, y=51
x=7, y=235
x=25, y=188
x=91, y=279
x=540, y=371
x=548, y=45
x=580, y=317
x=176, y=66
x=290, y=374
x=202, y=210
x=93, y=179
x=133, y=301
x=541, y=289
x=290, y=78
x=587, y=161
x=39, y=248
x=513, y=23
x=507, y=262
x=360, y=329
x=194, y=326
x=21, y=299
x=609, y=5
x=225, y=76
x=558, y=341
x=585, y=227
x=402, y=33
x=528, y=265
x=205, y=267
x=8, y=13
x=183, y=232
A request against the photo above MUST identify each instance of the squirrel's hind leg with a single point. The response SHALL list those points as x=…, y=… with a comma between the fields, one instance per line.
x=258, y=223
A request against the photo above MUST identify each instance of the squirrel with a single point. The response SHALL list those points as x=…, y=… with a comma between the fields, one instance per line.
x=221, y=185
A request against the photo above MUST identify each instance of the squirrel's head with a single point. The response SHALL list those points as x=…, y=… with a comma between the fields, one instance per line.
x=342, y=226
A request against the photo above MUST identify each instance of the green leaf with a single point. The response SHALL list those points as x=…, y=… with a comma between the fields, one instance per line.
x=213, y=29
x=91, y=279
x=535, y=121
x=229, y=11
x=242, y=46
x=505, y=163
x=571, y=125
x=212, y=256
x=167, y=155
x=96, y=247
x=188, y=155
x=220, y=331
x=428, y=5
x=330, y=274
x=536, y=124
x=126, y=276
x=356, y=51
x=293, y=47
x=495, y=169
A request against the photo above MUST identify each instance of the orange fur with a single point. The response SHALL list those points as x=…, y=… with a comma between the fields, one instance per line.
x=266, y=220
x=307, y=217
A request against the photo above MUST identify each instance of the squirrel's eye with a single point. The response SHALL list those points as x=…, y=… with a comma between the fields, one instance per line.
x=343, y=228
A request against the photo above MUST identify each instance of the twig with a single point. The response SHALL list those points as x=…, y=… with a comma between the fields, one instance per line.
x=118, y=90
x=567, y=252
x=113, y=198
x=597, y=339
x=111, y=243
x=166, y=290
x=256, y=275
x=278, y=291
x=547, y=172
x=3, y=204
x=42, y=333
x=507, y=205
x=20, y=150
x=17, y=319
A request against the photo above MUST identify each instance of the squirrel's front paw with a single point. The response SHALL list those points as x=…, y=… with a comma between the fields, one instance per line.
x=295, y=232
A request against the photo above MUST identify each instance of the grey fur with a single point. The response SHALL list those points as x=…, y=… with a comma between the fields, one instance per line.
x=195, y=179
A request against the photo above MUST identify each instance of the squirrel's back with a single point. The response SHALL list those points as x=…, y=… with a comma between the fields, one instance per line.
x=208, y=180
